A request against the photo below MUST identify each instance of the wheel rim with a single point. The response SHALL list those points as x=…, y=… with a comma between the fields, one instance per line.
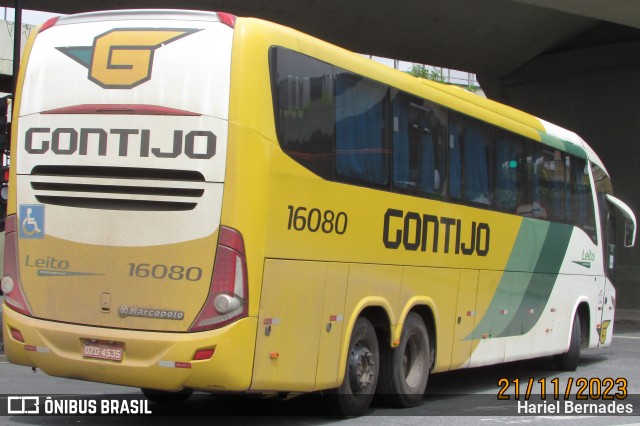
x=361, y=368
x=413, y=364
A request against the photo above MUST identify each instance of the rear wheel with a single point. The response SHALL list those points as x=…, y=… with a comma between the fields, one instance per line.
x=568, y=361
x=167, y=397
x=354, y=396
x=405, y=369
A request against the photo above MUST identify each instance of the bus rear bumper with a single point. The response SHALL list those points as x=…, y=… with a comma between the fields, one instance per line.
x=150, y=359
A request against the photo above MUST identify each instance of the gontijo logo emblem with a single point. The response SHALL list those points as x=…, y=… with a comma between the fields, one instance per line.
x=122, y=58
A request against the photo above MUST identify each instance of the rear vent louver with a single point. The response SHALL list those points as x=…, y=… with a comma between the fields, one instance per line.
x=117, y=188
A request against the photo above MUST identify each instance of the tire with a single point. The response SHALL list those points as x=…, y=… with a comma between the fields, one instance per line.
x=405, y=369
x=568, y=361
x=167, y=397
x=354, y=395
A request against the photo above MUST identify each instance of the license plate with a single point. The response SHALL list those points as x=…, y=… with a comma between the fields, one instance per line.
x=111, y=351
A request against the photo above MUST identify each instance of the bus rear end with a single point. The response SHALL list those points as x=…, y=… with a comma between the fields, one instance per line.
x=117, y=268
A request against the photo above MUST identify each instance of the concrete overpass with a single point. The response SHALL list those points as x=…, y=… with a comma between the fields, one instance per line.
x=572, y=62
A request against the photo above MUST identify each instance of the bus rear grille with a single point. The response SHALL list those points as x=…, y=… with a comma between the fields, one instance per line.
x=117, y=188
x=118, y=173
x=115, y=203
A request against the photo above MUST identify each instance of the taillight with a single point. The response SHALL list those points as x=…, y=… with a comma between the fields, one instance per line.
x=228, y=293
x=227, y=19
x=4, y=183
x=10, y=284
x=48, y=24
x=203, y=354
x=16, y=334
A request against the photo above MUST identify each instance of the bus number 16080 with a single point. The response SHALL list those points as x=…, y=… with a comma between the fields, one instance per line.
x=314, y=220
x=159, y=272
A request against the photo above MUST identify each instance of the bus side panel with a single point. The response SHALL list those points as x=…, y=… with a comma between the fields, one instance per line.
x=290, y=319
x=535, y=316
x=374, y=285
x=550, y=333
x=465, y=318
x=332, y=327
x=488, y=350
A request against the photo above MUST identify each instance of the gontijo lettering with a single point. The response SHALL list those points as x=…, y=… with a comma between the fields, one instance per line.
x=195, y=144
x=422, y=231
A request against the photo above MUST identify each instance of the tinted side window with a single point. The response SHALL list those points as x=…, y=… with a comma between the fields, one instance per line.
x=362, y=129
x=470, y=157
x=512, y=192
x=304, y=109
x=549, y=182
x=580, y=207
x=601, y=179
x=419, y=146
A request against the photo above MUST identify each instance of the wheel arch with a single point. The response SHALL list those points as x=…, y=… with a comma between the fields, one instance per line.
x=380, y=320
x=585, y=321
x=581, y=308
x=427, y=310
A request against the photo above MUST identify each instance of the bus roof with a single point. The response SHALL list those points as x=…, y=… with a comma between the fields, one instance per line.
x=130, y=14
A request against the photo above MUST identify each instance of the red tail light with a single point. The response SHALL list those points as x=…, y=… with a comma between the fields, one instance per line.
x=227, y=300
x=49, y=23
x=4, y=183
x=16, y=334
x=227, y=19
x=11, y=286
x=203, y=354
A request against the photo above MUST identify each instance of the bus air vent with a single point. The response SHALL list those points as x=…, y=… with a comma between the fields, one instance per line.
x=117, y=188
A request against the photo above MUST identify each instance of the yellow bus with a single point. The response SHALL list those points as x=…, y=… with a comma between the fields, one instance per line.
x=221, y=204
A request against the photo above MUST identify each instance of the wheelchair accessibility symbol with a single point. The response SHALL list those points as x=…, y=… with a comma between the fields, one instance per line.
x=31, y=217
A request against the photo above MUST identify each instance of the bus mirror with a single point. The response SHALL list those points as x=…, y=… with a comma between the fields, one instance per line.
x=629, y=220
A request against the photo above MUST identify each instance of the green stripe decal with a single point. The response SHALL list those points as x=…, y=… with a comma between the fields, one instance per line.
x=552, y=141
x=563, y=145
x=525, y=286
x=575, y=150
